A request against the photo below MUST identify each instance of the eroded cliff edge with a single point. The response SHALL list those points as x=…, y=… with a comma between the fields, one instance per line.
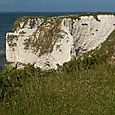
x=46, y=42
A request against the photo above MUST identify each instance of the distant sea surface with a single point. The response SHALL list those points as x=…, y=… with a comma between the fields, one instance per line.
x=7, y=20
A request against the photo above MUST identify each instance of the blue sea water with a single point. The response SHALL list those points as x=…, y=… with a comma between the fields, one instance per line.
x=7, y=20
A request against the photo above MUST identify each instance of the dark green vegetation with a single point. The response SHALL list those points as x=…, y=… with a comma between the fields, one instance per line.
x=2, y=58
x=74, y=16
x=85, y=86
x=11, y=39
x=18, y=21
x=49, y=34
x=26, y=18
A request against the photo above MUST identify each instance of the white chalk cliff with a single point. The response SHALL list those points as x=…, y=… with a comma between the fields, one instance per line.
x=46, y=42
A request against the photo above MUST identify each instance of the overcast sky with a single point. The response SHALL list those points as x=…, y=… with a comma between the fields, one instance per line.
x=57, y=5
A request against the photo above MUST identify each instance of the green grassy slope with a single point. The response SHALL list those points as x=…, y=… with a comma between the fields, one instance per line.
x=85, y=86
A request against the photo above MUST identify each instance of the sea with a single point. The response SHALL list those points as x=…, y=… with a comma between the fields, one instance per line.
x=7, y=20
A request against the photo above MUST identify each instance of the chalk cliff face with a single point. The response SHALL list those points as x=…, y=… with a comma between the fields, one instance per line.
x=46, y=42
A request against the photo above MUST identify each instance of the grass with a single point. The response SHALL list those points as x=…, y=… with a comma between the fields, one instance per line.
x=85, y=86
x=32, y=92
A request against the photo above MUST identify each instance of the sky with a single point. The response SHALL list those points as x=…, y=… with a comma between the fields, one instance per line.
x=57, y=5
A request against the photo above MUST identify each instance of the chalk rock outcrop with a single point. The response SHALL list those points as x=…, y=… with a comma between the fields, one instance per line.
x=46, y=42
